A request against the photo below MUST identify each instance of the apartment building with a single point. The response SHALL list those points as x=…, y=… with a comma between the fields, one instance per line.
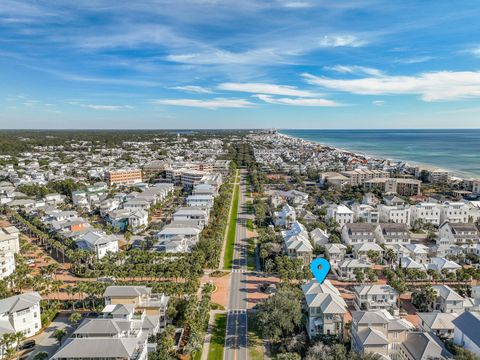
x=326, y=309
x=359, y=176
x=438, y=176
x=428, y=213
x=400, y=186
x=123, y=177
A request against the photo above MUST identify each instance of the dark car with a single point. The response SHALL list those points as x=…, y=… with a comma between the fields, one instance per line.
x=27, y=344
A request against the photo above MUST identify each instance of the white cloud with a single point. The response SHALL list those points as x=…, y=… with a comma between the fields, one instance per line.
x=212, y=104
x=217, y=56
x=297, y=4
x=107, y=107
x=355, y=69
x=475, y=51
x=433, y=86
x=378, y=102
x=415, y=60
x=297, y=101
x=341, y=40
x=193, y=89
x=263, y=88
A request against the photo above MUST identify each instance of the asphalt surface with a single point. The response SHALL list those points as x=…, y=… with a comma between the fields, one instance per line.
x=236, y=346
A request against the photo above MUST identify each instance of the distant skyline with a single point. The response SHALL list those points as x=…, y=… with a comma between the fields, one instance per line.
x=286, y=64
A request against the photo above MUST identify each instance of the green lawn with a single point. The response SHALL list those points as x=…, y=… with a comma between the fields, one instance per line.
x=228, y=257
x=215, y=352
x=251, y=255
x=256, y=349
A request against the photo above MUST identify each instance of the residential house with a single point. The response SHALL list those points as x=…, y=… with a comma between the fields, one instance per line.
x=365, y=213
x=347, y=268
x=423, y=346
x=319, y=236
x=394, y=214
x=378, y=332
x=466, y=334
x=454, y=212
x=7, y=264
x=98, y=242
x=375, y=297
x=441, y=264
x=451, y=233
x=335, y=254
x=426, y=213
x=186, y=229
x=285, y=217
x=340, y=214
x=326, y=309
x=204, y=201
x=418, y=252
x=194, y=213
x=9, y=240
x=448, y=301
x=392, y=233
x=439, y=323
x=20, y=313
x=297, y=244
x=358, y=233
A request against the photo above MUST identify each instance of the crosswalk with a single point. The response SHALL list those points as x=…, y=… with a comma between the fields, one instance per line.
x=239, y=270
x=237, y=311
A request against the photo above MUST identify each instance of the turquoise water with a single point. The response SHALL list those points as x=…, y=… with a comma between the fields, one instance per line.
x=457, y=150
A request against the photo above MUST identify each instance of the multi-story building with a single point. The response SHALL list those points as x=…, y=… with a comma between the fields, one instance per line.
x=340, y=213
x=326, y=309
x=9, y=241
x=394, y=214
x=7, y=264
x=375, y=297
x=378, y=332
x=123, y=177
x=20, y=313
x=451, y=233
x=447, y=300
x=466, y=331
x=454, y=212
x=428, y=213
x=438, y=176
x=365, y=213
x=285, y=217
x=441, y=324
x=358, y=233
x=98, y=242
x=359, y=176
x=419, y=345
x=392, y=233
x=297, y=244
x=404, y=187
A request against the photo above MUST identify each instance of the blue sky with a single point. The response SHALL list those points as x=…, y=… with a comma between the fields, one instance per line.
x=239, y=64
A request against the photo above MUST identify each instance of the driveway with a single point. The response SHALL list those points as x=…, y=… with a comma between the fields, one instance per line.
x=45, y=341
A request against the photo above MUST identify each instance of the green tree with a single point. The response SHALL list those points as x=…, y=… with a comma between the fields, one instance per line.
x=59, y=334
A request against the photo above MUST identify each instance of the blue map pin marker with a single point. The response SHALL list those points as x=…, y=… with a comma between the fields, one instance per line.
x=320, y=268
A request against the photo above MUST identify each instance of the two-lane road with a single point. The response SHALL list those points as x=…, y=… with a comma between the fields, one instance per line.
x=236, y=332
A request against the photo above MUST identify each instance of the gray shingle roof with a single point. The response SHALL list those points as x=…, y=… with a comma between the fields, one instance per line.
x=469, y=323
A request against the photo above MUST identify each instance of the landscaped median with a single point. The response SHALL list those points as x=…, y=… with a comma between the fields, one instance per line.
x=217, y=343
x=232, y=224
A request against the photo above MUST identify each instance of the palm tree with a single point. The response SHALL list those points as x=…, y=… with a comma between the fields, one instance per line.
x=59, y=334
x=19, y=337
x=42, y=355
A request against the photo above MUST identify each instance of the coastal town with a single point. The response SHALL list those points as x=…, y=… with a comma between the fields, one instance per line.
x=197, y=245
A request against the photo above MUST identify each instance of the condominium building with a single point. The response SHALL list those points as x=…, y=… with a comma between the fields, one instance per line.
x=404, y=187
x=428, y=213
x=454, y=212
x=359, y=176
x=123, y=177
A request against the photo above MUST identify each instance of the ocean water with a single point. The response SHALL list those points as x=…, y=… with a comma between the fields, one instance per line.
x=457, y=150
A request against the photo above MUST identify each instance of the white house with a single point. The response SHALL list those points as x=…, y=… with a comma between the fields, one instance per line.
x=319, y=236
x=335, y=254
x=98, y=242
x=428, y=213
x=365, y=213
x=454, y=212
x=394, y=214
x=392, y=233
x=205, y=201
x=375, y=297
x=7, y=264
x=358, y=233
x=194, y=213
x=9, y=241
x=451, y=233
x=340, y=213
x=285, y=217
x=448, y=301
x=326, y=309
x=20, y=313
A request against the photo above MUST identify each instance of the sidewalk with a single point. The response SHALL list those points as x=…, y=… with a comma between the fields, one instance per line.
x=208, y=335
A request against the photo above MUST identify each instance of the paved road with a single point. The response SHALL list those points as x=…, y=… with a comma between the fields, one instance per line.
x=236, y=333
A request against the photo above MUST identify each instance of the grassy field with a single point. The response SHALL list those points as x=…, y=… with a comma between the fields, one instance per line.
x=256, y=350
x=215, y=352
x=228, y=257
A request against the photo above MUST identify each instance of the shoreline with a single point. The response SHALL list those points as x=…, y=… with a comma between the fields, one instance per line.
x=409, y=163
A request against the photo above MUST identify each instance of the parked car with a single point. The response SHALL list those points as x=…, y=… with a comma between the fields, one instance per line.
x=29, y=344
